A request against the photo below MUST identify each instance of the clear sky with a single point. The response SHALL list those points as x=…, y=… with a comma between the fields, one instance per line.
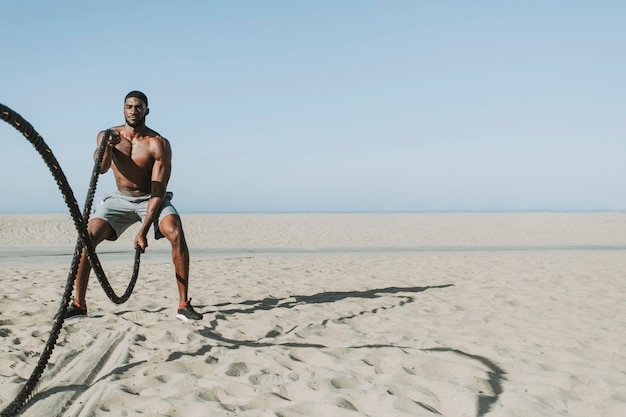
x=328, y=105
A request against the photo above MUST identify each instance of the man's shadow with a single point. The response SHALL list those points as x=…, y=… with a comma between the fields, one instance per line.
x=269, y=303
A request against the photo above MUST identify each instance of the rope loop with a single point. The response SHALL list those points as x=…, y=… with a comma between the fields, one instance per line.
x=83, y=243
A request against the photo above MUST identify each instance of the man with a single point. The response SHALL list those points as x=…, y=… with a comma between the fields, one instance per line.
x=141, y=163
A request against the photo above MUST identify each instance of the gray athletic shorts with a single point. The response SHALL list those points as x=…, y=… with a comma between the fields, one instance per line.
x=121, y=211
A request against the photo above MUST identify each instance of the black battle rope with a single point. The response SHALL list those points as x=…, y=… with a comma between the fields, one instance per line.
x=80, y=222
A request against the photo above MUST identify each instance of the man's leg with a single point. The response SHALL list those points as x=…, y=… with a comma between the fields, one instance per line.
x=172, y=229
x=98, y=230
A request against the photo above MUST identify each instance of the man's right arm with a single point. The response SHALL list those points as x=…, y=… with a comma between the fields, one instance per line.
x=114, y=139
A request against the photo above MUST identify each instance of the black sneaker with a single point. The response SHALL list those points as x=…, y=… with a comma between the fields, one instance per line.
x=75, y=310
x=187, y=312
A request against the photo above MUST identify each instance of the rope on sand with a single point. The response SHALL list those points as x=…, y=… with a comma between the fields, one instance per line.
x=83, y=241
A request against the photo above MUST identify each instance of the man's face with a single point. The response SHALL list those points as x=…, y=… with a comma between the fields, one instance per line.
x=135, y=111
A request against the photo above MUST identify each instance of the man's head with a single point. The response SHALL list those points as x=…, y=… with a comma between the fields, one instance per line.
x=138, y=94
x=136, y=108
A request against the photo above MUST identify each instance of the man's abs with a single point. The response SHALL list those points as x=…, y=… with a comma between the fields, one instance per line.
x=130, y=188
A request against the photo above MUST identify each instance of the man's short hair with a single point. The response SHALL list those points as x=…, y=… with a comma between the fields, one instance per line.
x=138, y=94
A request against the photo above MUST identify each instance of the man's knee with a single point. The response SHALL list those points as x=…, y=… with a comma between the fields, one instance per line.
x=99, y=230
x=172, y=228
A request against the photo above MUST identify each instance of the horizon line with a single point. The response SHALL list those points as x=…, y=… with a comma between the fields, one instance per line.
x=459, y=211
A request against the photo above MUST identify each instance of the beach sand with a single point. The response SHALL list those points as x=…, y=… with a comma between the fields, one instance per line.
x=475, y=314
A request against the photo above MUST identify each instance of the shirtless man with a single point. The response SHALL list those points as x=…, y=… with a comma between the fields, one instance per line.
x=141, y=161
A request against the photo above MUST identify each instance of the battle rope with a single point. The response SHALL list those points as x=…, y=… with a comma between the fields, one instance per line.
x=80, y=222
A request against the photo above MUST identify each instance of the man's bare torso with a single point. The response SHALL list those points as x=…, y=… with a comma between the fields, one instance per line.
x=133, y=160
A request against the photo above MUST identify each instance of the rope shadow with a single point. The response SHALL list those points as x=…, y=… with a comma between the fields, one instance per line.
x=496, y=376
x=484, y=401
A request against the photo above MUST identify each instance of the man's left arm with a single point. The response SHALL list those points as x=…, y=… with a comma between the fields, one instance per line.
x=161, y=171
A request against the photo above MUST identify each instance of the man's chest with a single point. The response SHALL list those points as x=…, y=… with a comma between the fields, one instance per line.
x=129, y=154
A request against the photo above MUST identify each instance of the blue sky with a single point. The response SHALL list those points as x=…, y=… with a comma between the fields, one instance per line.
x=328, y=105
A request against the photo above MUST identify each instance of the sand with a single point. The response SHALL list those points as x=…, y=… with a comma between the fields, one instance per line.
x=479, y=314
